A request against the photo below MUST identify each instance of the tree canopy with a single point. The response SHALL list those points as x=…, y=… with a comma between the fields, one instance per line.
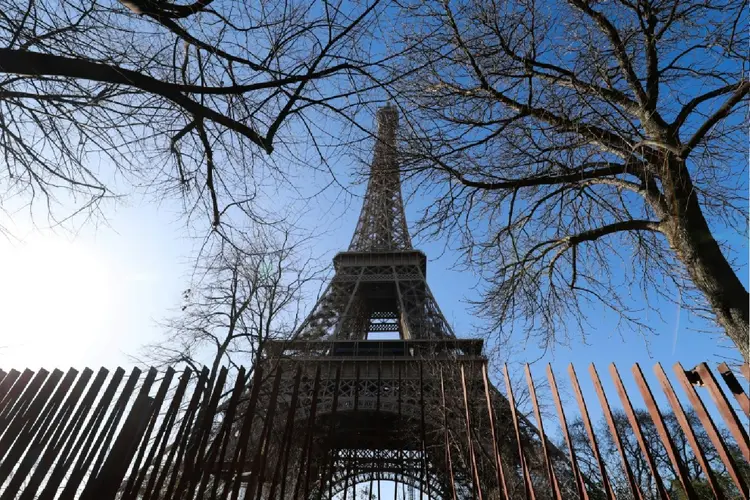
x=97, y=98
x=583, y=153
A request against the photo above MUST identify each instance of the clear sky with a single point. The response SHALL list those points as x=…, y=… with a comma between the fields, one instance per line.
x=91, y=297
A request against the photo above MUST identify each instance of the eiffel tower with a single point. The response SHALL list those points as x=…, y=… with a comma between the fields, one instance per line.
x=380, y=284
x=350, y=411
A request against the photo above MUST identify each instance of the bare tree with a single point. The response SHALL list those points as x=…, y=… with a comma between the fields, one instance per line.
x=582, y=150
x=241, y=296
x=243, y=292
x=187, y=99
x=640, y=469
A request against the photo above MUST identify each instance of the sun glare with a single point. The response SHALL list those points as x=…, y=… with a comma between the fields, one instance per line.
x=55, y=297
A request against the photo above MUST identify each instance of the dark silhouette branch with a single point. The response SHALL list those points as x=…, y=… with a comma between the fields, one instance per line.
x=46, y=65
x=715, y=118
x=688, y=108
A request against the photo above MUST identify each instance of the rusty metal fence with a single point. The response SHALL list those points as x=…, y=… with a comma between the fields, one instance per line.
x=166, y=435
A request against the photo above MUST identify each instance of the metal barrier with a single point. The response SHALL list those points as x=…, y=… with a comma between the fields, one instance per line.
x=107, y=435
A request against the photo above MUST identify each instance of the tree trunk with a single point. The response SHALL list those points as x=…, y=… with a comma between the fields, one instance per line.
x=689, y=235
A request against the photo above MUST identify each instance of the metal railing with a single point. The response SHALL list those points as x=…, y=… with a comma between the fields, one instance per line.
x=163, y=435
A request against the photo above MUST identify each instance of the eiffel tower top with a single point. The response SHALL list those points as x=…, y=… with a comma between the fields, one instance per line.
x=379, y=287
x=382, y=222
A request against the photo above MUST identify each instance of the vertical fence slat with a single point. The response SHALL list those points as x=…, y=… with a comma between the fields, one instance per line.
x=189, y=445
x=710, y=427
x=590, y=431
x=287, y=440
x=182, y=438
x=86, y=439
x=108, y=432
x=51, y=406
x=542, y=435
x=528, y=485
x=264, y=443
x=37, y=433
x=216, y=457
x=580, y=484
x=424, y=473
x=735, y=387
x=499, y=473
x=19, y=433
x=132, y=485
x=309, y=438
x=16, y=387
x=725, y=409
x=52, y=436
x=447, y=444
x=87, y=436
x=243, y=440
x=638, y=432
x=71, y=439
x=470, y=440
x=604, y=403
x=97, y=437
x=661, y=428
x=7, y=383
x=687, y=429
x=79, y=447
x=156, y=455
x=204, y=435
x=554, y=484
x=225, y=433
x=109, y=479
x=17, y=406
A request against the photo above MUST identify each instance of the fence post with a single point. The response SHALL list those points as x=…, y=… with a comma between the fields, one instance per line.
x=112, y=472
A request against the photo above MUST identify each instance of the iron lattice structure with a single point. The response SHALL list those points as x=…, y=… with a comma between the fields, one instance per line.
x=386, y=409
x=374, y=411
x=382, y=222
x=380, y=282
x=312, y=428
